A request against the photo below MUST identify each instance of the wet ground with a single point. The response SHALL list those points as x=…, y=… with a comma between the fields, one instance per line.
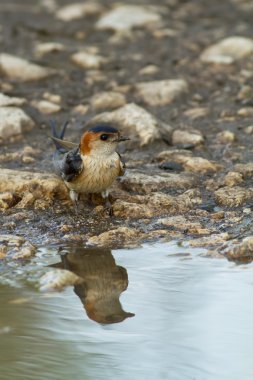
x=190, y=319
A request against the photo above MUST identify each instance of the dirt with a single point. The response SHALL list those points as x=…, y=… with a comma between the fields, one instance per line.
x=215, y=103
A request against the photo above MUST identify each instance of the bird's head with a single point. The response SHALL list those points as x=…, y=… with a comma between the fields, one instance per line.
x=100, y=140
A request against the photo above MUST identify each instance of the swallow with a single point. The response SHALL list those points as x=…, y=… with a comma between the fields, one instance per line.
x=91, y=166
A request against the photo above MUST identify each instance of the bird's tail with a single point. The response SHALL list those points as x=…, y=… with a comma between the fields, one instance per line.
x=57, y=136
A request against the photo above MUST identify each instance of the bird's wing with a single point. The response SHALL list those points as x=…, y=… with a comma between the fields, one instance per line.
x=122, y=166
x=68, y=165
x=64, y=143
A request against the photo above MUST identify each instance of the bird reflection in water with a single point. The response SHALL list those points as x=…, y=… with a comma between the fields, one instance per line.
x=104, y=281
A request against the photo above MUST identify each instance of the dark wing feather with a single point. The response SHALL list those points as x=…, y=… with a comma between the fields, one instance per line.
x=68, y=165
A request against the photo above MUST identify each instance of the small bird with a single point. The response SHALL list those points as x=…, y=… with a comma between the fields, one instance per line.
x=90, y=166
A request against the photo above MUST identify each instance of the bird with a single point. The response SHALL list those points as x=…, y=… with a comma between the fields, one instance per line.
x=91, y=166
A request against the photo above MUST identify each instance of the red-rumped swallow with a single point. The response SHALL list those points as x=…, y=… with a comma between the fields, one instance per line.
x=92, y=165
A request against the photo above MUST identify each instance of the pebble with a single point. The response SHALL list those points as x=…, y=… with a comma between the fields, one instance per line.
x=200, y=165
x=162, y=92
x=126, y=17
x=16, y=247
x=46, y=107
x=122, y=236
x=14, y=121
x=233, y=178
x=193, y=137
x=137, y=123
x=196, y=113
x=245, y=169
x=233, y=196
x=48, y=47
x=242, y=252
x=107, y=100
x=88, y=60
x=228, y=50
x=6, y=100
x=225, y=137
x=245, y=112
x=148, y=70
x=78, y=10
x=20, y=69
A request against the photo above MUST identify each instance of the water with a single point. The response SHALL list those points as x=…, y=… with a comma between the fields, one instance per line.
x=193, y=319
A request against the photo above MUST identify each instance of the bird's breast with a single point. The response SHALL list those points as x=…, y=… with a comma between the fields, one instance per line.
x=98, y=174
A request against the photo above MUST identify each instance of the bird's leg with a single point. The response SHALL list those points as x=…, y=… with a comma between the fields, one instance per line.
x=74, y=197
x=108, y=205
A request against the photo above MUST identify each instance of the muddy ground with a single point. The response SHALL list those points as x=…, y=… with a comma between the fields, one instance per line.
x=215, y=207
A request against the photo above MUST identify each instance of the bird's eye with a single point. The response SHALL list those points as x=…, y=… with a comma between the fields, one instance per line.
x=104, y=137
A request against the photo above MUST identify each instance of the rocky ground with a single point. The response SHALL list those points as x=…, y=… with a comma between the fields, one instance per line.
x=175, y=75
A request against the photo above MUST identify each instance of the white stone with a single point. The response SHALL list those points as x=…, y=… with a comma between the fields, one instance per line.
x=46, y=107
x=126, y=17
x=228, y=50
x=136, y=122
x=88, y=60
x=13, y=121
x=161, y=92
x=107, y=100
x=20, y=69
x=10, y=101
x=48, y=47
x=78, y=10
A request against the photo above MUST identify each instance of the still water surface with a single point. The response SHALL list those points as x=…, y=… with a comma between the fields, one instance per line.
x=192, y=319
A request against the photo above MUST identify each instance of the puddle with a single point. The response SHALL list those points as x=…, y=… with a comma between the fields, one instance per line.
x=166, y=313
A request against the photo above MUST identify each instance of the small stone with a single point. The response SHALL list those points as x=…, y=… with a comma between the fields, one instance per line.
x=58, y=280
x=196, y=113
x=161, y=33
x=19, y=69
x=48, y=47
x=7, y=199
x=193, y=137
x=148, y=70
x=16, y=247
x=228, y=50
x=53, y=98
x=242, y=252
x=248, y=130
x=171, y=166
x=209, y=241
x=247, y=211
x=245, y=169
x=126, y=17
x=245, y=112
x=25, y=252
x=233, y=178
x=121, y=236
x=81, y=109
x=46, y=107
x=88, y=60
x=13, y=121
x=137, y=123
x=107, y=100
x=225, y=137
x=233, y=196
x=161, y=92
x=200, y=165
x=78, y=10
x=11, y=101
x=245, y=94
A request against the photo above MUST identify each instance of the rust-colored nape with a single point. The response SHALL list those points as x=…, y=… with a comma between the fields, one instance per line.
x=86, y=138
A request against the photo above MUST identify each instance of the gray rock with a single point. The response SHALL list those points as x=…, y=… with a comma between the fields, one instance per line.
x=228, y=50
x=13, y=121
x=126, y=17
x=157, y=93
x=22, y=70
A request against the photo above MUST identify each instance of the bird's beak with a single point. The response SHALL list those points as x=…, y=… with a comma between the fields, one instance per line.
x=122, y=138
